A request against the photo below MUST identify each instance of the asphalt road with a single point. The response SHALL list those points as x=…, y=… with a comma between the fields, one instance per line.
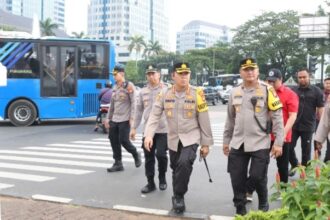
x=66, y=159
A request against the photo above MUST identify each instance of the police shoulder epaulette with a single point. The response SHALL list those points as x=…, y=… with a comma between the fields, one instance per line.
x=129, y=86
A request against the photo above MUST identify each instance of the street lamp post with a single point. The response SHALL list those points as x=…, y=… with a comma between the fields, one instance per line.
x=213, y=61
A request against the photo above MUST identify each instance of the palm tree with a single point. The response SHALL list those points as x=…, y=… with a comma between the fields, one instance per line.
x=153, y=48
x=47, y=27
x=137, y=43
x=79, y=35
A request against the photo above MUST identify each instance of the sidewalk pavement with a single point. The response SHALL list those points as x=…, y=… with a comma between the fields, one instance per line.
x=26, y=209
x=13, y=208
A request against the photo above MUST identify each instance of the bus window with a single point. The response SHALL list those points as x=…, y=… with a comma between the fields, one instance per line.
x=68, y=71
x=49, y=74
x=92, y=62
x=22, y=61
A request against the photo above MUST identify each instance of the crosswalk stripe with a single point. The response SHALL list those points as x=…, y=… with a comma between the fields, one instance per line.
x=4, y=185
x=62, y=162
x=23, y=176
x=74, y=150
x=79, y=146
x=44, y=168
x=80, y=156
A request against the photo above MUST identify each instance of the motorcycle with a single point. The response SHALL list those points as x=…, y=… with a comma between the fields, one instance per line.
x=103, y=111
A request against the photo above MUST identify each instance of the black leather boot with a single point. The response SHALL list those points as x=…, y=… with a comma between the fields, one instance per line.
x=178, y=204
x=117, y=166
x=137, y=160
x=162, y=182
x=241, y=210
x=151, y=186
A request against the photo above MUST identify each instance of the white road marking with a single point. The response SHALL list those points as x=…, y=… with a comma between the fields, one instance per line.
x=142, y=210
x=219, y=217
x=55, y=161
x=44, y=168
x=22, y=176
x=79, y=146
x=51, y=198
x=4, y=185
x=59, y=155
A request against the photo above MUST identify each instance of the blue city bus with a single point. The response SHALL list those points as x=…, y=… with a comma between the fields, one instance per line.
x=53, y=78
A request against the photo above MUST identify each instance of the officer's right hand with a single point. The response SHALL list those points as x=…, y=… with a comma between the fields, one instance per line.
x=106, y=124
x=318, y=145
x=132, y=134
x=226, y=149
x=148, y=143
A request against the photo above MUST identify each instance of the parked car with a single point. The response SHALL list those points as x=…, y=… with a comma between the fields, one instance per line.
x=211, y=95
x=225, y=96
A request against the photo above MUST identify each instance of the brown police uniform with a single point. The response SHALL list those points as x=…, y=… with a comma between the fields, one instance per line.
x=323, y=130
x=122, y=110
x=249, y=140
x=188, y=127
x=145, y=100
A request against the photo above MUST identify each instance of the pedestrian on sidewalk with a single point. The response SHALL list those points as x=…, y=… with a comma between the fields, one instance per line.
x=251, y=107
x=189, y=126
x=290, y=103
x=145, y=101
x=310, y=110
x=120, y=118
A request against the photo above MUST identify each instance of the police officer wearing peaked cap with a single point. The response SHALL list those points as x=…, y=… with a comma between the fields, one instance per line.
x=247, y=134
x=120, y=119
x=145, y=100
x=189, y=126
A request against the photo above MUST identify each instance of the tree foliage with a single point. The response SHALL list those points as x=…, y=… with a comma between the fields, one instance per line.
x=47, y=27
x=80, y=35
x=272, y=38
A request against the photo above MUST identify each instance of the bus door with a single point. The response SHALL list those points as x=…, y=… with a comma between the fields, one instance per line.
x=59, y=80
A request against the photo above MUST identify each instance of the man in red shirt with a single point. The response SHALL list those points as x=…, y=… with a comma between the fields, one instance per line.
x=290, y=103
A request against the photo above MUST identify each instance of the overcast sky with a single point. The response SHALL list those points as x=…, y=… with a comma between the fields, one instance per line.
x=230, y=13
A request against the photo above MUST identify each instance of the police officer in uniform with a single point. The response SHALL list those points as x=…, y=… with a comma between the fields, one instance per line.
x=252, y=107
x=189, y=126
x=144, y=104
x=121, y=118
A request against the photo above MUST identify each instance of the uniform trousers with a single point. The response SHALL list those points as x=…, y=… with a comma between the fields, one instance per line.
x=238, y=162
x=158, y=150
x=119, y=135
x=306, y=143
x=327, y=152
x=181, y=163
x=282, y=166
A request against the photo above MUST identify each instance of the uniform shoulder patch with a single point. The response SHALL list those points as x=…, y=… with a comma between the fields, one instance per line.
x=274, y=102
x=201, y=101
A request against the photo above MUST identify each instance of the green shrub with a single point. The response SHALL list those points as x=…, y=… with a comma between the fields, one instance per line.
x=277, y=214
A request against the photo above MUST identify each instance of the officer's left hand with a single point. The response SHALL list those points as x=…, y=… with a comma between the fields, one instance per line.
x=276, y=151
x=204, y=151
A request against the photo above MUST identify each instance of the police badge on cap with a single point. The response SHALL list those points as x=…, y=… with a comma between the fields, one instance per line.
x=248, y=63
x=151, y=69
x=181, y=68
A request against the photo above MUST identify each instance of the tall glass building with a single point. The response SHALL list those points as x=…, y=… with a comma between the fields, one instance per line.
x=54, y=9
x=199, y=35
x=118, y=20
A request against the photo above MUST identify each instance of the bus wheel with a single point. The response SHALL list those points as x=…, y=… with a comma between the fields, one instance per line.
x=22, y=113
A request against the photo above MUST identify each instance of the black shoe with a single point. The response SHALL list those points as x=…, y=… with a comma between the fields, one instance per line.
x=264, y=207
x=148, y=188
x=137, y=160
x=117, y=166
x=292, y=173
x=96, y=128
x=178, y=204
x=241, y=210
x=162, y=183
